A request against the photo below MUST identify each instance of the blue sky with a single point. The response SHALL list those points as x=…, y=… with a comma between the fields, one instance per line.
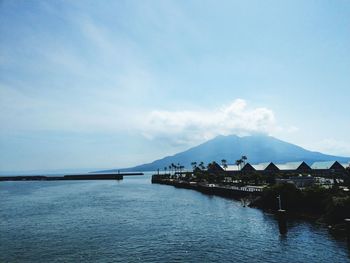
x=106, y=84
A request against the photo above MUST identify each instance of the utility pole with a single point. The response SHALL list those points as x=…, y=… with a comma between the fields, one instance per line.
x=282, y=220
x=279, y=202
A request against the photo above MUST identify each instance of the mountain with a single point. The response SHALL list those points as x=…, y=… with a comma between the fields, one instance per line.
x=258, y=148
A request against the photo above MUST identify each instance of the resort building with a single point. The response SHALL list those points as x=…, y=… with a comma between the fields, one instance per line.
x=322, y=169
x=298, y=173
x=327, y=168
x=294, y=167
x=299, y=181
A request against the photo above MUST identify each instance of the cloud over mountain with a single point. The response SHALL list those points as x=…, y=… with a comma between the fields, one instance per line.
x=182, y=127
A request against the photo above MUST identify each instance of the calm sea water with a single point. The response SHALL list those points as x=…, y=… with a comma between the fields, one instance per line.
x=135, y=221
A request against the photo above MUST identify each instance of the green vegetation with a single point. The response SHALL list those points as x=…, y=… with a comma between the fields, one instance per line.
x=333, y=205
x=241, y=162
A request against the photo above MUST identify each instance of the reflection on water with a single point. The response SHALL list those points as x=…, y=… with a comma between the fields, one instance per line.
x=133, y=220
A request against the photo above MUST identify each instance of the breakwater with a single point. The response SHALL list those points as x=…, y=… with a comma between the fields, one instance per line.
x=91, y=176
x=211, y=189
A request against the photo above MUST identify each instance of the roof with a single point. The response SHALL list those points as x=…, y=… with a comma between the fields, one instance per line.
x=288, y=166
x=293, y=166
x=214, y=167
x=322, y=165
x=271, y=167
x=333, y=165
x=248, y=167
x=232, y=167
x=260, y=166
x=265, y=167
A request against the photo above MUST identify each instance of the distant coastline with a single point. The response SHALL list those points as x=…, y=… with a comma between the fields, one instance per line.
x=95, y=176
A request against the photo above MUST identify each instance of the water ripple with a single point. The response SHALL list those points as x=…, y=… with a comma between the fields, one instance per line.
x=135, y=221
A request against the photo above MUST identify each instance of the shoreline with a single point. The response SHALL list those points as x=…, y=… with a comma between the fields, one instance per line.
x=228, y=192
x=239, y=195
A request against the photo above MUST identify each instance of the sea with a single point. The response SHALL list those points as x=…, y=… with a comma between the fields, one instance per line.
x=133, y=220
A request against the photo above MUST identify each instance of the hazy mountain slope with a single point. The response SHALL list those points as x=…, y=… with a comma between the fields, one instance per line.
x=257, y=148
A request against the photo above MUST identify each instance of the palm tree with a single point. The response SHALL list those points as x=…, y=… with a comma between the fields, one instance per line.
x=209, y=165
x=244, y=158
x=201, y=165
x=224, y=164
x=194, y=165
x=181, y=167
x=238, y=163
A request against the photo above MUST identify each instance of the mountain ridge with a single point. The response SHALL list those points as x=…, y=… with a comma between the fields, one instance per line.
x=258, y=149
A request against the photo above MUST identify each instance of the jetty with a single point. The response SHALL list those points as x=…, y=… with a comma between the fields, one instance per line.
x=89, y=176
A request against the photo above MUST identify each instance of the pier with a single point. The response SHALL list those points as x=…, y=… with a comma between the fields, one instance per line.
x=90, y=176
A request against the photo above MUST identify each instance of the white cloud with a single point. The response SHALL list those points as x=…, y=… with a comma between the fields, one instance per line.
x=188, y=127
x=21, y=112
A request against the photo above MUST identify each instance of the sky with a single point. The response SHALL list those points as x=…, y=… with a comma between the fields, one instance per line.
x=110, y=84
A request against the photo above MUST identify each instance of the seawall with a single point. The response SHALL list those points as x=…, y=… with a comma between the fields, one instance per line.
x=224, y=191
